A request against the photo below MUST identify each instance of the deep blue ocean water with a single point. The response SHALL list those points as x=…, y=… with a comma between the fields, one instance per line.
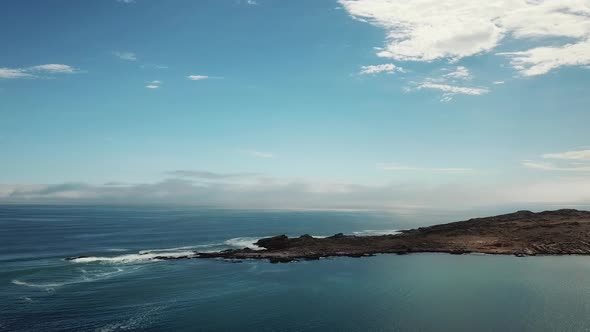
x=118, y=289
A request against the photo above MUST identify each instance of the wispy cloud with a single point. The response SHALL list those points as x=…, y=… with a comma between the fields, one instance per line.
x=498, y=82
x=129, y=56
x=211, y=175
x=260, y=154
x=153, y=66
x=401, y=167
x=36, y=71
x=197, y=77
x=451, y=90
x=569, y=155
x=55, y=68
x=459, y=73
x=451, y=84
x=155, y=84
x=388, y=68
x=567, y=161
x=11, y=73
x=552, y=167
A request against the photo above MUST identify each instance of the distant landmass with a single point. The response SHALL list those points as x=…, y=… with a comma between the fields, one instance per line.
x=523, y=233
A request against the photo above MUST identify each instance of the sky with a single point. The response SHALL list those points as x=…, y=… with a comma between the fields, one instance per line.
x=307, y=104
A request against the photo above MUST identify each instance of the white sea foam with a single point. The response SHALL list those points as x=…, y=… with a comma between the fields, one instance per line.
x=117, y=249
x=35, y=285
x=148, y=255
x=133, y=258
x=185, y=248
x=369, y=232
x=243, y=242
x=84, y=277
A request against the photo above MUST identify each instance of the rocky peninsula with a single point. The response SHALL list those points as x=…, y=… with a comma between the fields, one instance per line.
x=523, y=233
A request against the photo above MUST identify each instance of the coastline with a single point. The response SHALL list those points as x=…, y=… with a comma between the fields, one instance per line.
x=523, y=233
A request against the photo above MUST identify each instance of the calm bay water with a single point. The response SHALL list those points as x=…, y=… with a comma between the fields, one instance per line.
x=118, y=289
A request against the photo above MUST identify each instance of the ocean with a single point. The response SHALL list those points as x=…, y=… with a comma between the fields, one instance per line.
x=119, y=288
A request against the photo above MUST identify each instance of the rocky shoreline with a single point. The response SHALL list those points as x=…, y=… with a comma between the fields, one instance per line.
x=523, y=233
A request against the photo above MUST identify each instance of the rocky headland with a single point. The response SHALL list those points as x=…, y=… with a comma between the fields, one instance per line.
x=523, y=233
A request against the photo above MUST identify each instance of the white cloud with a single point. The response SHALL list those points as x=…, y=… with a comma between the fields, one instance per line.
x=553, y=167
x=155, y=84
x=460, y=73
x=400, y=167
x=426, y=30
x=447, y=83
x=208, y=175
x=251, y=2
x=197, y=77
x=10, y=73
x=451, y=90
x=30, y=72
x=569, y=155
x=55, y=68
x=541, y=60
x=129, y=56
x=153, y=66
x=389, y=68
x=568, y=161
x=498, y=82
x=260, y=154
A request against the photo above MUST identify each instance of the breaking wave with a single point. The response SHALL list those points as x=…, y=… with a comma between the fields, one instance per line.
x=148, y=255
x=133, y=258
x=243, y=242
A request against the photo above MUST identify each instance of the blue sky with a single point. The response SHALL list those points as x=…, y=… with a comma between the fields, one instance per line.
x=296, y=104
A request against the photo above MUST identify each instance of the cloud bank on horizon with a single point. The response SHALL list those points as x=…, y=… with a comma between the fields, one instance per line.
x=257, y=190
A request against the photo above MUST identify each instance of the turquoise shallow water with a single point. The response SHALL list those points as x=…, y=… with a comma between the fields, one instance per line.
x=120, y=291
